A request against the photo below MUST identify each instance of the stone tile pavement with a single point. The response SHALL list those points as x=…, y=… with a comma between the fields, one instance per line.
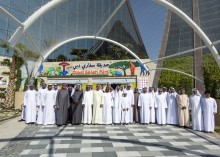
x=10, y=129
x=121, y=141
x=15, y=145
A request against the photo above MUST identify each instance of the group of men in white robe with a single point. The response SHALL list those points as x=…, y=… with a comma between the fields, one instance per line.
x=203, y=109
x=117, y=106
x=39, y=105
x=107, y=106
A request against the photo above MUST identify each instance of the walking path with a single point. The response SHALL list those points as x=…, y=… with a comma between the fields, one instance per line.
x=108, y=141
x=10, y=129
x=111, y=141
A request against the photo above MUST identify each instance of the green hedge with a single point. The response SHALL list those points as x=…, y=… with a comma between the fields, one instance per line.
x=211, y=75
x=177, y=80
x=185, y=64
x=2, y=89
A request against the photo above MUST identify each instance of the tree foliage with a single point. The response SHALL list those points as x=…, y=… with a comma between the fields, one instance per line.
x=119, y=53
x=61, y=58
x=6, y=62
x=28, y=54
x=185, y=64
x=15, y=72
x=211, y=75
x=177, y=80
x=79, y=53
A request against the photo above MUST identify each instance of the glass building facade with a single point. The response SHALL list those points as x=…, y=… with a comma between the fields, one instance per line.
x=209, y=12
x=70, y=19
x=181, y=35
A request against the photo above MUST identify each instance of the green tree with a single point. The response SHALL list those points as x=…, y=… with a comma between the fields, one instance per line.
x=10, y=94
x=105, y=57
x=15, y=73
x=61, y=58
x=91, y=57
x=28, y=54
x=185, y=64
x=79, y=53
x=123, y=65
x=176, y=80
x=6, y=62
x=211, y=75
x=120, y=53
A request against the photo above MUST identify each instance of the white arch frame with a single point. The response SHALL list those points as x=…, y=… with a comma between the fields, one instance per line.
x=87, y=37
x=47, y=7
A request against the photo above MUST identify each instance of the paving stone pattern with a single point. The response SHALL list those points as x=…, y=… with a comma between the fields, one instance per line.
x=16, y=145
x=122, y=141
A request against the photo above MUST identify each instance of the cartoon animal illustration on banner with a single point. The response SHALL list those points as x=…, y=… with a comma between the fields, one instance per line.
x=50, y=71
x=143, y=69
x=123, y=65
x=115, y=73
x=40, y=69
x=119, y=68
x=132, y=68
x=58, y=70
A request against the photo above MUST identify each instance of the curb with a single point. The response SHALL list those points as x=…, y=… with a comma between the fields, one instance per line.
x=2, y=120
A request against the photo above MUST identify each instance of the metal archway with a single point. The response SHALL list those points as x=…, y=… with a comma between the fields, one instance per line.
x=87, y=37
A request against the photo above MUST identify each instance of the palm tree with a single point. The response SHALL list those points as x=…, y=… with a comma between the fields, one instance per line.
x=10, y=94
x=16, y=63
x=28, y=54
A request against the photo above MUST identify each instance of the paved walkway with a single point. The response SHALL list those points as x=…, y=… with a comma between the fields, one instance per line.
x=15, y=145
x=10, y=129
x=122, y=141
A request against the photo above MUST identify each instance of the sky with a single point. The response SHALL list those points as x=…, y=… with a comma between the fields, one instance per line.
x=150, y=18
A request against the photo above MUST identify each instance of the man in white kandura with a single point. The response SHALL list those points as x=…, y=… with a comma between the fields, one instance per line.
x=165, y=93
x=130, y=95
x=161, y=106
x=108, y=84
x=30, y=105
x=49, y=106
x=117, y=106
x=55, y=89
x=87, y=106
x=40, y=104
x=125, y=116
x=23, y=109
x=172, y=112
x=153, y=92
x=144, y=103
x=196, y=110
x=107, y=107
x=98, y=101
x=209, y=108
